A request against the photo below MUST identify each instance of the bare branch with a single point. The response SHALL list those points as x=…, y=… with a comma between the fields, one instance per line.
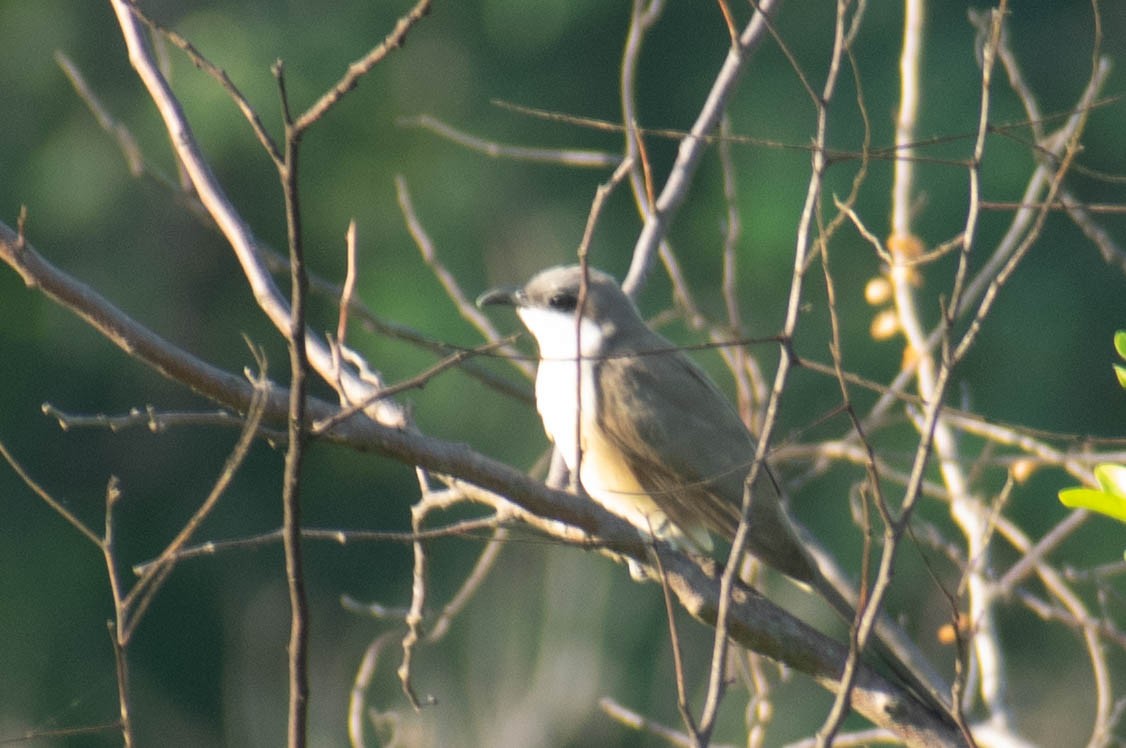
x=466, y=308
x=414, y=382
x=418, y=597
x=149, y=418
x=473, y=581
x=752, y=621
x=144, y=590
x=118, y=638
x=363, y=66
x=463, y=528
x=692, y=149
x=357, y=699
x=297, y=430
x=579, y=159
x=640, y=723
x=227, y=218
x=219, y=75
x=125, y=140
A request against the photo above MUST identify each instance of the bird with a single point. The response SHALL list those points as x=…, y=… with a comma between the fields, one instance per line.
x=650, y=435
x=652, y=438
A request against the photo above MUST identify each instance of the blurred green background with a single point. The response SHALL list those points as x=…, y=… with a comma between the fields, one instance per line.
x=554, y=629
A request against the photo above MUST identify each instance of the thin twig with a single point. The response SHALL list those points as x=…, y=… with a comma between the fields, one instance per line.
x=579, y=159
x=858, y=632
x=642, y=17
x=418, y=597
x=463, y=528
x=48, y=499
x=834, y=155
x=297, y=427
x=682, y=705
x=803, y=248
x=1048, y=612
x=150, y=581
x=357, y=697
x=736, y=358
x=119, y=639
x=348, y=290
x=473, y=581
x=692, y=149
x=361, y=67
x=149, y=418
x=640, y=723
x=415, y=382
x=134, y=159
x=465, y=307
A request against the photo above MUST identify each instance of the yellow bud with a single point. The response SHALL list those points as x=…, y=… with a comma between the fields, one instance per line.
x=1023, y=469
x=905, y=246
x=877, y=291
x=884, y=325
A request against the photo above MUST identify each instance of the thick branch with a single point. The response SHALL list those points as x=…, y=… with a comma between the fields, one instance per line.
x=753, y=621
x=234, y=228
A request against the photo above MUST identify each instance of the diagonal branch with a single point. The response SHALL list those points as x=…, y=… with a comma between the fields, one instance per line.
x=752, y=621
x=238, y=234
x=363, y=66
x=692, y=149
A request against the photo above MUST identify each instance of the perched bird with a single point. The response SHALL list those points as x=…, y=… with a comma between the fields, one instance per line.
x=649, y=434
x=652, y=437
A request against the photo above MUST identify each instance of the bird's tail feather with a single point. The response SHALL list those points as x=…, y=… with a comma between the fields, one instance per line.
x=889, y=642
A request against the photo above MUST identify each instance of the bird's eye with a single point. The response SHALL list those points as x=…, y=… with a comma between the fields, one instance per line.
x=564, y=301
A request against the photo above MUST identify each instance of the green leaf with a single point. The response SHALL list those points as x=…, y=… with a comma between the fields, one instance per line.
x=1096, y=501
x=1112, y=479
x=1120, y=347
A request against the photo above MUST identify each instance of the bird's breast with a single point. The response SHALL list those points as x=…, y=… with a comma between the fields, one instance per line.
x=565, y=395
x=567, y=400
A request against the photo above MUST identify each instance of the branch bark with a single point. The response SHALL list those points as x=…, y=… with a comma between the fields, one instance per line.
x=752, y=621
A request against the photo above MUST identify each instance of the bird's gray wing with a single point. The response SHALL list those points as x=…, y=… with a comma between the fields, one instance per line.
x=691, y=452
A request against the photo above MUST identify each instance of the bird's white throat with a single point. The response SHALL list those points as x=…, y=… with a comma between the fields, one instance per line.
x=555, y=333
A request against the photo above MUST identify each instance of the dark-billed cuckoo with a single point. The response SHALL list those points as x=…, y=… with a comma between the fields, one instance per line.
x=652, y=438
x=659, y=445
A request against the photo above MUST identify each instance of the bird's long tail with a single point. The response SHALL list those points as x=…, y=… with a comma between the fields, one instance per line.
x=889, y=642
